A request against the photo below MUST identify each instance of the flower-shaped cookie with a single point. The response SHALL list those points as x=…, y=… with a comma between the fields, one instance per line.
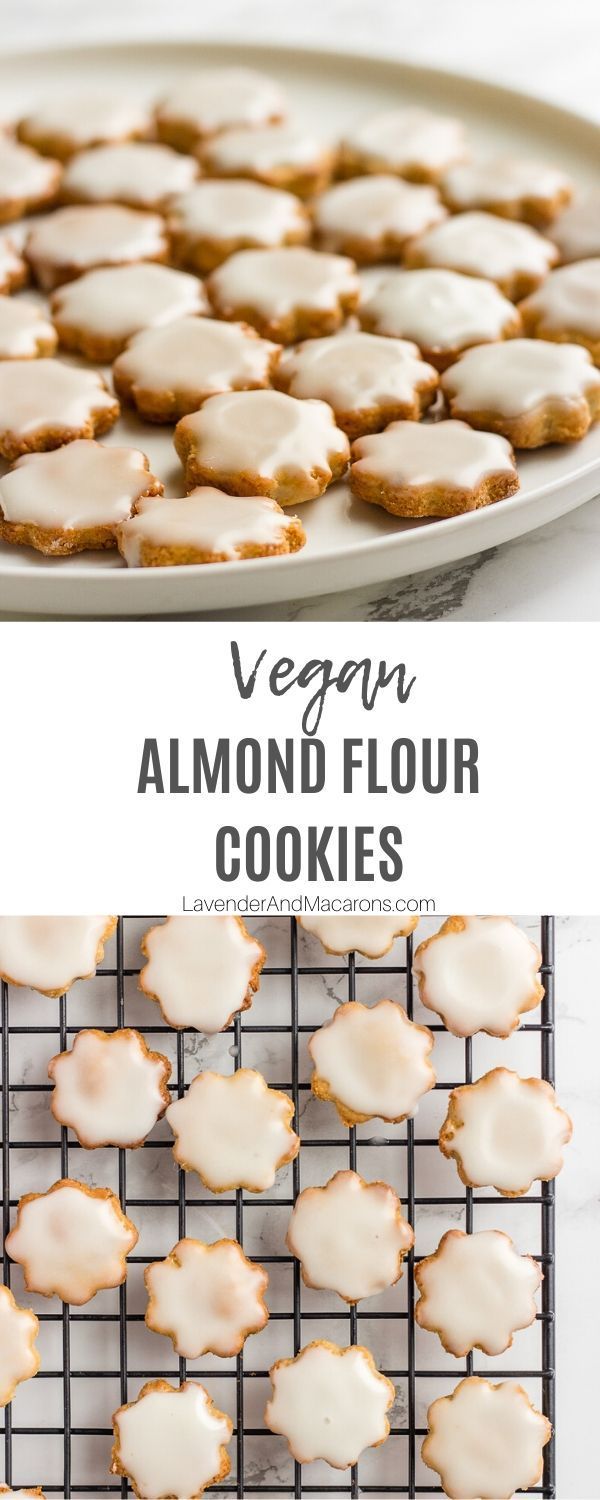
x=140, y=175
x=207, y=526
x=505, y=1132
x=413, y=143
x=372, y=1062
x=282, y=156
x=206, y=1298
x=577, y=230
x=27, y=181
x=329, y=1403
x=171, y=1441
x=532, y=391
x=168, y=372
x=371, y=218
x=97, y=314
x=510, y=186
x=20, y=1494
x=476, y=1291
x=73, y=240
x=513, y=255
x=19, y=1358
x=13, y=270
x=215, y=99
x=485, y=1440
x=201, y=970
x=215, y=219
x=71, y=122
x=567, y=307
x=349, y=1236
x=110, y=1089
x=367, y=381
x=25, y=332
x=479, y=974
x=44, y=404
x=234, y=1131
x=288, y=294
x=49, y=953
x=71, y=1241
x=262, y=443
x=438, y=469
x=73, y=497
x=371, y=936
x=443, y=311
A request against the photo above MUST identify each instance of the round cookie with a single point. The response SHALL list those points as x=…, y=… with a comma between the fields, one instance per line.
x=216, y=219
x=438, y=469
x=25, y=331
x=413, y=143
x=566, y=308
x=207, y=1298
x=110, y=1090
x=201, y=971
x=329, y=1403
x=576, y=232
x=485, y=1440
x=368, y=381
x=215, y=99
x=168, y=372
x=44, y=404
x=13, y=269
x=140, y=174
x=505, y=1132
x=476, y=1291
x=371, y=1062
x=73, y=240
x=97, y=314
x=27, y=181
x=207, y=526
x=479, y=974
x=349, y=1236
x=49, y=953
x=510, y=186
x=262, y=443
x=72, y=1241
x=371, y=218
x=531, y=391
x=282, y=156
x=287, y=294
x=513, y=255
x=171, y=1441
x=371, y=936
x=19, y=1358
x=74, y=497
x=443, y=311
x=71, y=122
x=233, y=1130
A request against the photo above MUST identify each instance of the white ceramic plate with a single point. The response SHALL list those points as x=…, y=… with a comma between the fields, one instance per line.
x=348, y=543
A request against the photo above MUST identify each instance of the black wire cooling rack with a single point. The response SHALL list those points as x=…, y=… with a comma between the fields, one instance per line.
x=351, y=1482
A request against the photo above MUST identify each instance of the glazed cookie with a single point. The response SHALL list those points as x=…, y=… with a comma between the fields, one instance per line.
x=531, y=391
x=479, y=974
x=371, y=1062
x=443, y=311
x=13, y=269
x=49, y=953
x=140, y=175
x=513, y=255
x=510, y=186
x=74, y=240
x=201, y=971
x=215, y=219
x=27, y=181
x=577, y=231
x=282, y=156
x=97, y=314
x=44, y=404
x=20, y=1494
x=207, y=1298
x=349, y=1236
x=438, y=469
x=169, y=372
x=413, y=143
x=19, y=1358
x=71, y=122
x=368, y=381
x=505, y=1132
x=74, y=497
x=371, y=218
x=286, y=294
x=216, y=99
x=25, y=331
x=109, y=1089
x=476, y=1291
x=207, y=526
x=72, y=1241
x=233, y=1130
x=371, y=936
x=171, y=1441
x=262, y=443
x=485, y=1440
x=329, y=1403
x=566, y=309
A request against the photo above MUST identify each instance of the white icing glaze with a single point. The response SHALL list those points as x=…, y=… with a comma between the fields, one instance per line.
x=232, y=210
x=485, y=245
x=11, y=264
x=476, y=1291
x=371, y=936
x=139, y=172
x=83, y=484
x=265, y=150
x=121, y=300
x=350, y=1236
x=170, y=1441
x=22, y=327
x=329, y=1403
x=353, y=370
x=19, y=1360
x=509, y=1131
x=24, y=174
x=199, y=968
x=215, y=98
x=479, y=978
x=373, y=1059
x=209, y=521
x=86, y=119
x=265, y=432
x=196, y=356
x=504, y=179
x=109, y=1089
x=569, y=300
x=401, y=139
x=485, y=1440
x=44, y=393
x=439, y=309
x=276, y=282
x=577, y=230
x=233, y=1131
x=520, y=375
x=96, y=234
x=207, y=1298
x=441, y=453
x=50, y=953
x=71, y=1242
x=372, y=207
